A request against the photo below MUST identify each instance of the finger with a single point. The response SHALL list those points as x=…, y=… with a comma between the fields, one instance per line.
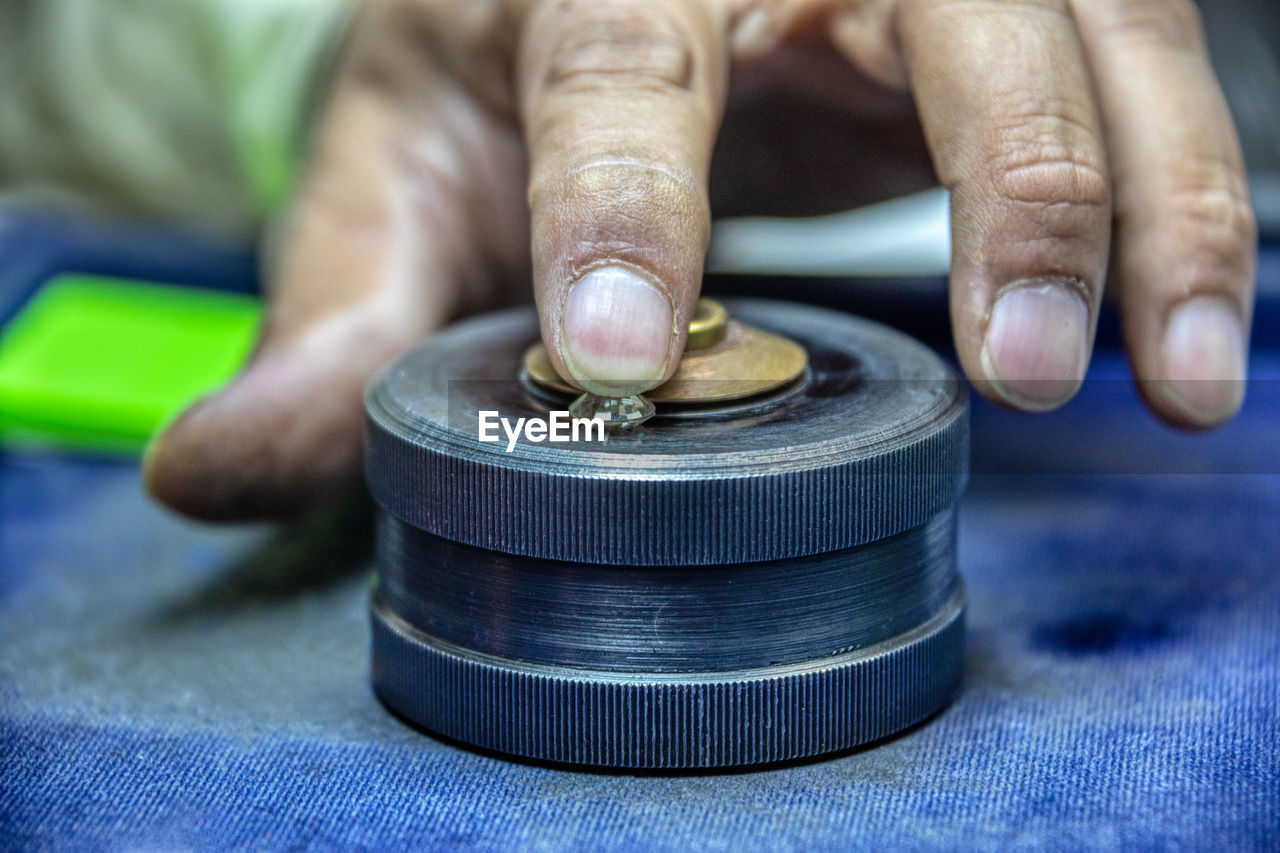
x=1185, y=236
x=1006, y=103
x=371, y=264
x=620, y=100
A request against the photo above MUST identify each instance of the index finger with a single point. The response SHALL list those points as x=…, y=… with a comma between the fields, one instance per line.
x=621, y=100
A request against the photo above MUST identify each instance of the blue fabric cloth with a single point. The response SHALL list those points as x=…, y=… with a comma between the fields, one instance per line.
x=164, y=684
x=168, y=685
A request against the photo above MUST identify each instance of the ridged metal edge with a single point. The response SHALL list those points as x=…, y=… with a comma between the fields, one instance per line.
x=794, y=498
x=740, y=519
x=669, y=721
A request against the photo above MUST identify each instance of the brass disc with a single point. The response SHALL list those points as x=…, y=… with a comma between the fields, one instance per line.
x=732, y=361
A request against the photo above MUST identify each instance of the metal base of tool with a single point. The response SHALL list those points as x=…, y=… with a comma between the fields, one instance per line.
x=669, y=720
x=725, y=585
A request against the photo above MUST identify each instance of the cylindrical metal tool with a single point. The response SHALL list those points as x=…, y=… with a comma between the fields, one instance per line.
x=742, y=579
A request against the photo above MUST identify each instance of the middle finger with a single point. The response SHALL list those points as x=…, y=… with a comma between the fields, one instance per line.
x=1006, y=101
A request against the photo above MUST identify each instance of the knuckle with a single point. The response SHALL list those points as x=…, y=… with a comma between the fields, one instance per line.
x=1049, y=161
x=634, y=189
x=1055, y=180
x=1166, y=22
x=1214, y=218
x=619, y=44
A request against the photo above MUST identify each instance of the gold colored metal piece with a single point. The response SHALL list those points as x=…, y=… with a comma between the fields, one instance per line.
x=733, y=361
x=708, y=326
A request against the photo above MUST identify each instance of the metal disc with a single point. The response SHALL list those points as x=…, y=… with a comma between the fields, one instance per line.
x=691, y=619
x=873, y=444
x=661, y=720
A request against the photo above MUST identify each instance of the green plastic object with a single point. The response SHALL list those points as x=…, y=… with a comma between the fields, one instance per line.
x=101, y=364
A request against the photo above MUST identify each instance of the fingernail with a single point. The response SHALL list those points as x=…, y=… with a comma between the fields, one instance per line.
x=1036, y=346
x=1204, y=359
x=616, y=332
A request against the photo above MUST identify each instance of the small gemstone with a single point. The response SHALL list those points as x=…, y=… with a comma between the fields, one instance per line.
x=616, y=412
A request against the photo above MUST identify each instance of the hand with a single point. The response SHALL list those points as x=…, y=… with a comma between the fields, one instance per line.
x=1048, y=120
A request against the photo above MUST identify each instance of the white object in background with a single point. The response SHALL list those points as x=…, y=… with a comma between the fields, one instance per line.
x=908, y=236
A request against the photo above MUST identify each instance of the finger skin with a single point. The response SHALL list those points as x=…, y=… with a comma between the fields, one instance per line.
x=620, y=101
x=1006, y=103
x=1185, y=234
x=383, y=247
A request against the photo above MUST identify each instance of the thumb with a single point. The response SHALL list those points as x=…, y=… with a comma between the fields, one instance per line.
x=361, y=278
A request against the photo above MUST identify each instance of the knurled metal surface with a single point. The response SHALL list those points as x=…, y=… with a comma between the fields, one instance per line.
x=876, y=444
x=661, y=618
x=669, y=721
